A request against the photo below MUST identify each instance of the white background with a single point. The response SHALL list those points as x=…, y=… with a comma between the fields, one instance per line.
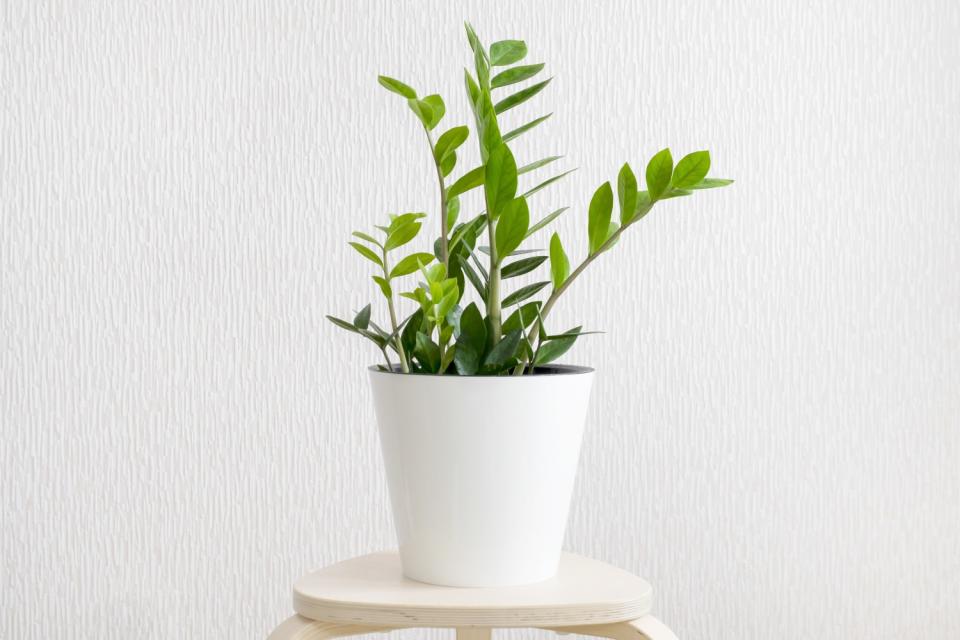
x=774, y=440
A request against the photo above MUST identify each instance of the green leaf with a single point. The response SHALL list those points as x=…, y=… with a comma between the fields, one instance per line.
x=523, y=293
x=601, y=208
x=362, y=319
x=367, y=253
x=503, y=350
x=512, y=227
x=401, y=235
x=520, y=267
x=675, y=193
x=627, y=193
x=427, y=352
x=343, y=324
x=410, y=264
x=659, y=171
x=546, y=220
x=527, y=311
x=384, y=286
x=515, y=74
x=478, y=283
x=556, y=347
x=510, y=135
x=453, y=211
x=500, y=179
x=449, y=142
x=448, y=163
x=422, y=110
x=536, y=165
x=507, y=52
x=710, y=183
x=471, y=341
x=397, y=87
x=470, y=180
x=368, y=238
x=691, y=169
x=546, y=183
x=437, y=109
x=473, y=91
x=408, y=335
x=559, y=263
x=520, y=96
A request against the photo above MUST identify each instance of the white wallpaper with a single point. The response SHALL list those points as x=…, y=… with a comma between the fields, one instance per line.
x=774, y=440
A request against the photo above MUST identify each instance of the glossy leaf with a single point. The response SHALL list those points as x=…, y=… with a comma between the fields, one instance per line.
x=550, y=351
x=601, y=208
x=523, y=293
x=470, y=180
x=691, y=169
x=559, y=263
x=512, y=227
x=504, y=350
x=546, y=183
x=367, y=237
x=384, y=286
x=448, y=163
x=422, y=110
x=362, y=319
x=401, y=235
x=427, y=352
x=367, y=253
x=471, y=341
x=515, y=74
x=449, y=141
x=398, y=87
x=711, y=183
x=510, y=135
x=453, y=211
x=500, y=179
x=437, y=110
x=343, y=324
x=475, y=279
x=659, y=172
x=550, y=217
x=522, y=266
x=627, y=193
x=507, y=52
x=520, y=97
x=412, y=326
x=410, y=264
x=527, y=311
x=536, y=165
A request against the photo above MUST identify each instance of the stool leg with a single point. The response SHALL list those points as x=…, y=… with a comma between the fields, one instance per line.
x=645, y=628
x=300, y=628
x=473, y=633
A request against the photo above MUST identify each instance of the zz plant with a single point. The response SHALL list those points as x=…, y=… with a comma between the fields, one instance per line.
x=446, y=334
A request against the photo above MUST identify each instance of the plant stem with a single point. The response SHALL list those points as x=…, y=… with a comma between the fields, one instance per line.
x=404, y=365
x=493, y=287
x=444, y=248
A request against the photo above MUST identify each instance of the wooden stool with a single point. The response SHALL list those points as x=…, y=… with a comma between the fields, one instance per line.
x=370, y=595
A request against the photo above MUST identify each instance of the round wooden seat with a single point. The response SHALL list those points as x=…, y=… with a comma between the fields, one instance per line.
x=370, y=595
x=372, y=589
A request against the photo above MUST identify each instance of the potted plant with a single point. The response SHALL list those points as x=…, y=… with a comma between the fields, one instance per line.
x=480, y=430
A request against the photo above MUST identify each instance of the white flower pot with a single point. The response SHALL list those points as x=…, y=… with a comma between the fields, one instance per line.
x=480, y=471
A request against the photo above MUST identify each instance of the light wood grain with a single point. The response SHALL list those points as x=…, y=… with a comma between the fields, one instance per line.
x=371, y=590
x=473, y=633
x=300, y=628
x=645, y=628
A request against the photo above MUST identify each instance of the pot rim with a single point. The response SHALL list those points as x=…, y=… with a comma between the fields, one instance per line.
x=540, y=373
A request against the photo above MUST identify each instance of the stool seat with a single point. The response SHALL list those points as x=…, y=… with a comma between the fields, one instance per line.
x=369, y=595
x=372, y=589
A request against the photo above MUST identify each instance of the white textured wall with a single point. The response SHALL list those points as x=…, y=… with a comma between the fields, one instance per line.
x=775, y=433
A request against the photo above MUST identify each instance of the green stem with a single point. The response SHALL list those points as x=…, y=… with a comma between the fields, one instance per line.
x=397, y=342
x=494, y=311
x=444, y=248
